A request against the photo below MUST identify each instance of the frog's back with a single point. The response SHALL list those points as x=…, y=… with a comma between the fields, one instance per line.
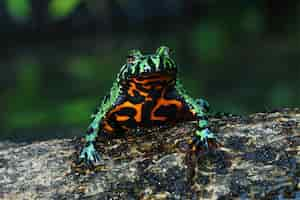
x=146, y=101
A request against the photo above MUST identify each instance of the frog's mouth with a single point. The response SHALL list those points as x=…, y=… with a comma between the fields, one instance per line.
x=169, y=72
x=148, y=73
x=155, y=71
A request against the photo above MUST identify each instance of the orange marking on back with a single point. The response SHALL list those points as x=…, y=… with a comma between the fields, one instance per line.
x=144, y=82
x=164, y=102
x=127, y=104
x=122, y=118
x=107, y=127
x=133, y=87
x=148, y=80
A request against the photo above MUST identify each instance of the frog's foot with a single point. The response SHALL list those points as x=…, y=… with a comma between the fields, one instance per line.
x=203, y=140
x=89, y=155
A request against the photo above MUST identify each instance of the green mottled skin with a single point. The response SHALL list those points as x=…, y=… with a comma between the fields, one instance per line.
x=139, y=65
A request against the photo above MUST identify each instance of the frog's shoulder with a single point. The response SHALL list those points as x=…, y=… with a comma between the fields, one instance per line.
x=108, y=103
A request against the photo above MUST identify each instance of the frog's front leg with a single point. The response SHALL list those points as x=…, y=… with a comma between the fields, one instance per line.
x=203, y=138
x=88, y=153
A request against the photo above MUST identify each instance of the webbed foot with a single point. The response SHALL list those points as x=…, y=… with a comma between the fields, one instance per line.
x=89, y=155
x=203, y=140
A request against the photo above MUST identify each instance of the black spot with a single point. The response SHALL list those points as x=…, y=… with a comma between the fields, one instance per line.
x=90, y=130
x=137, y=69
x=171, y=94
x=151, y=63
x=130, y=123
x=96, y=111
x=137, y=94
x=137, y=98
x=140, y=87
x=161, y=64
x=169, y=111
x=126, y=111
x=130, y=59
x=168, y=64
x=154, y=94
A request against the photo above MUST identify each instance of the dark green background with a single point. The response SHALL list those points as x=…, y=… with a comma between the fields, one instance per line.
x=58, y=58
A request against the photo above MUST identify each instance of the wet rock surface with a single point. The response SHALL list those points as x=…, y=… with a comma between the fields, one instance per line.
x=259, y=159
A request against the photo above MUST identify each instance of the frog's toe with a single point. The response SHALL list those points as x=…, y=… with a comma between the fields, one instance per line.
x=89, y=155
x=203, y=140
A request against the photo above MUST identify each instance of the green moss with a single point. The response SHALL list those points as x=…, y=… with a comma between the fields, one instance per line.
x=62, y=8
x=19, y=9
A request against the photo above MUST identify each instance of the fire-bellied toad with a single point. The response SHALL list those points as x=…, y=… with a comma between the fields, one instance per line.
x=146, y=93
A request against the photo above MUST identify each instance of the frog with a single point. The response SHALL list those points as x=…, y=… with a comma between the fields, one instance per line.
x=147, y=93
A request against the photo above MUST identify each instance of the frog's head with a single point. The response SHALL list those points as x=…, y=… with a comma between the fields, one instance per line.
x=146, y=65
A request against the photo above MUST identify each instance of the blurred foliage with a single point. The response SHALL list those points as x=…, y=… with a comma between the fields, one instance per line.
x=241, y=57
x=252, y=21
x=19, y=9
x=59, y=8
x=210, y=41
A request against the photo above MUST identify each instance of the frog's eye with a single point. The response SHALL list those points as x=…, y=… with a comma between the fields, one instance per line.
x=163, y=51
x=133, y=55
x=130, y=59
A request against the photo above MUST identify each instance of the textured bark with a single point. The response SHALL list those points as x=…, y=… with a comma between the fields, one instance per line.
x=259, y=159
